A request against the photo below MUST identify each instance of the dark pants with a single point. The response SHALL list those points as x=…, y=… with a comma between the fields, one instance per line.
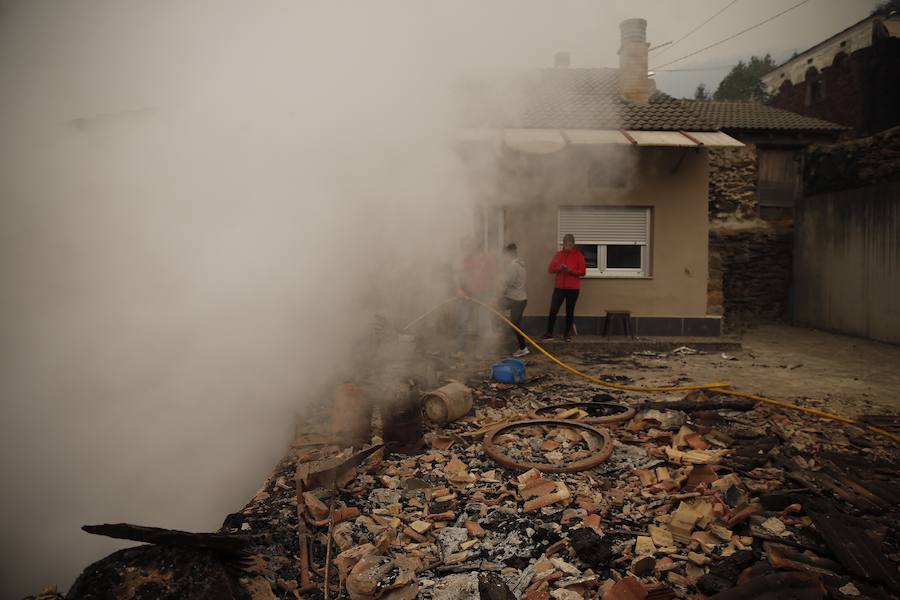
x=571, y=297
x=516, y=308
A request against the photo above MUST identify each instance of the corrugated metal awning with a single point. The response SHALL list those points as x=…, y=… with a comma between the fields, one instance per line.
x=715, y=139
x=546, y=141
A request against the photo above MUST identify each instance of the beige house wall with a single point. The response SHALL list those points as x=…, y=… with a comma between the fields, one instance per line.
x=674, y=182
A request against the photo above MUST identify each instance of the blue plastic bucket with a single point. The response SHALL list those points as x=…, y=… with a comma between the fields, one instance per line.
x=509, y=370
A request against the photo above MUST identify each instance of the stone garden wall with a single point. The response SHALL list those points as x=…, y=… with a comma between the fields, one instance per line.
x=750, y=273
x=750, y=260
x=732, y=184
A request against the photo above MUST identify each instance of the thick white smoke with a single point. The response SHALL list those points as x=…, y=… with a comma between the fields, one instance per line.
x=203, y=204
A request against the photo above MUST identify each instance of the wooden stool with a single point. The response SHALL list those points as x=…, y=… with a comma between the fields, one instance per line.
x=624, y=315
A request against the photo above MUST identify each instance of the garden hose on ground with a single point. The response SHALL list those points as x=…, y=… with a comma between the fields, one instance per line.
x=722, y=388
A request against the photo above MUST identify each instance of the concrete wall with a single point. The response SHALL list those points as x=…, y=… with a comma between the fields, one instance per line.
x=847, y=261
x=671, y=181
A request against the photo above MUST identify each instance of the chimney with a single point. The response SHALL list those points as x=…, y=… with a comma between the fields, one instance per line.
x=562, y=59
x=634, y=84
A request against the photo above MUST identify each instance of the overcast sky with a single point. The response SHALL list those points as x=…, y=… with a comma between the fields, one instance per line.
x=594, y=42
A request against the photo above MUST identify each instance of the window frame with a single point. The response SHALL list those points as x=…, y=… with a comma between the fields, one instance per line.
x=603, y=271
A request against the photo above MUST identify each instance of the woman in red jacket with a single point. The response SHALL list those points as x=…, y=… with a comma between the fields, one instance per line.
x=568, y=266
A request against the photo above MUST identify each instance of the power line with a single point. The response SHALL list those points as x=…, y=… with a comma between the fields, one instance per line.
x=742, y=32
x=719, y=68
x=691, y=32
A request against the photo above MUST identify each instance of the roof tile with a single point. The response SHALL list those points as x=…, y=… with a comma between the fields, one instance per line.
x=567, y=98
x=751, y=114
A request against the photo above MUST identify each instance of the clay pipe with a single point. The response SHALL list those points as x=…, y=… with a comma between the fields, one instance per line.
x=344, y=514
x=306, y=585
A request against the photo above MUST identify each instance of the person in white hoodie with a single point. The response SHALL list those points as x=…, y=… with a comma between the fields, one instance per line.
x=512, y=292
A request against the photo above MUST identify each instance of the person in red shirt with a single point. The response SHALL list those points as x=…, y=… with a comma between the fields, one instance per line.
x=568, y=266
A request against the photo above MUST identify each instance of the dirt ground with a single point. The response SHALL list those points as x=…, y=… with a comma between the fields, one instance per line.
x=842, y=374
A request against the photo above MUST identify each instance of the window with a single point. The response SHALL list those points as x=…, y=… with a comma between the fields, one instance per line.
x=615, y=240
x=815, y=87
x=815, y=91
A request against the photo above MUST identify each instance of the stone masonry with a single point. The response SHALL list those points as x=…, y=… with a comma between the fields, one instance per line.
x=732, y=184
x=853, y=164
x=750, y=273
x=749, y=259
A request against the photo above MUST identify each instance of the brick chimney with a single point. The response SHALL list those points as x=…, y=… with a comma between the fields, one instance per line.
x=634, y=84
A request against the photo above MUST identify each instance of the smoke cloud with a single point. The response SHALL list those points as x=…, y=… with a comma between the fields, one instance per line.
x=203, y=205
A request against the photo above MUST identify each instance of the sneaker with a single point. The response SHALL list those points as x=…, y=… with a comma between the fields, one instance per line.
x=521, y=352
x=547, y=336
x=567, y=338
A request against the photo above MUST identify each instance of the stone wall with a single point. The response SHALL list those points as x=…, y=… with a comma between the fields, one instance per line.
x=853, y=164
x=749, y=259
x=749, y=274
x=732, y=184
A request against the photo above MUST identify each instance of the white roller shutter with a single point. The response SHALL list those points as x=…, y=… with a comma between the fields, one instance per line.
x=605, y=224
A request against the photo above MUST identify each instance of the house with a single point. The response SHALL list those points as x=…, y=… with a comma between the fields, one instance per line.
x=752, y=192
x=849, y=78
x=762, y=178
x=601, y=154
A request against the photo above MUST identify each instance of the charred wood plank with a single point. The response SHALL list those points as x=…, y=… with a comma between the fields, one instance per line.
x=785, y=558
x=856, y=486
x=724, y=574
x=325, y=472
x=887, y=491
x=798, y=539
x=859, y=553
x=856, y=463
x=844, y=492
x=777, y=586
x=172, y=537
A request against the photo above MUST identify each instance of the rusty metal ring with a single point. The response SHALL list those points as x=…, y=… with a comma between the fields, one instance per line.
x=626, y=412
x=581, y=465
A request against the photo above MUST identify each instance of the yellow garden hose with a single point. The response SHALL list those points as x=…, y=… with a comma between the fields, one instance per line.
x=591, y=378
x=722, y=388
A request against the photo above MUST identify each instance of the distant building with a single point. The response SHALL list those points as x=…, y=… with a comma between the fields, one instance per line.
x=852, y=78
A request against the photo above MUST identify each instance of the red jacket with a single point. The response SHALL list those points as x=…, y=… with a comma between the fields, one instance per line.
x=567, y=280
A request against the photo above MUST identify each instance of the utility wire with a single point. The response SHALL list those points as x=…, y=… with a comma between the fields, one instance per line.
x=691, y=32
x=719, y=68
x=731, y=37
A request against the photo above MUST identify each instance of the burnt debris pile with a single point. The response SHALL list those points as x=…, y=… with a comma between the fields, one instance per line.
x=542, y=490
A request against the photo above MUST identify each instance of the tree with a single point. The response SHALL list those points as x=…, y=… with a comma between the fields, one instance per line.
x=743, y=82
x=886, y=7
x=701, y=92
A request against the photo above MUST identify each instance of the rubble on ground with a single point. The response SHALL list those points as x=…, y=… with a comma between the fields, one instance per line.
x=739, y=503
x=704, y=502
